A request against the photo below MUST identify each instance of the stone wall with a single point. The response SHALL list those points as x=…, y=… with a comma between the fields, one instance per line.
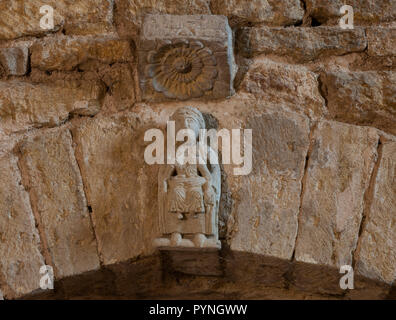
x=76, y=193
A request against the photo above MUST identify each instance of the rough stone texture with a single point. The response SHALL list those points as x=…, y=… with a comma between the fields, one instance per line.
x=121, y=83
x=271, y=12
x=381, y=41
x=129, y=14
x=338, y=174
x=186, y=57
x=83, y=69
x=14, y=60
x=300, y=44
x=364, y=98
x=24, y=105
x=376, y=253
x=365, y=11
x=267, y=202
x=120, y=186
x=66, y=53
x=294, y=87
x=19, y=240
x=19, y=18
x=56, y=189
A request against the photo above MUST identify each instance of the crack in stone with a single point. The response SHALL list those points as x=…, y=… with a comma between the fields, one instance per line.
x=89, y=206
x=25, y=180
x=303, y=184
x=368, y=199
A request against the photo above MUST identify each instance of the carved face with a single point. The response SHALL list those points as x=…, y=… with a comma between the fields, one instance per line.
x=183, y=122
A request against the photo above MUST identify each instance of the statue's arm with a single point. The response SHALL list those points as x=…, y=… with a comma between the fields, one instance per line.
x=203, y=169
x=165, y=173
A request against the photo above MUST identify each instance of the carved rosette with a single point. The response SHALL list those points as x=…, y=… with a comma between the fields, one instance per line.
x=182, y=70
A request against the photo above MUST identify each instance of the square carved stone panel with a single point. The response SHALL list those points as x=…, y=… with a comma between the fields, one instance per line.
x=186, y=57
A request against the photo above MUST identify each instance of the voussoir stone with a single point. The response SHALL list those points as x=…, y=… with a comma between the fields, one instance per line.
x=21, y=259
x=377, y=253
x=271, y=12
x=19, y=18
x=366, y=12
x=292, y=86
x=301, y=44
x=14, y=60
x=266, y=201
x=66, y=53
x=338, y=173
x=56, y=189
x=24, y=105
x=381, y=41
x=363, y=98
x=120, y=186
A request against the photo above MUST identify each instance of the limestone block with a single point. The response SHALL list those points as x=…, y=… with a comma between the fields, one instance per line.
x=381, y=41
x=282, y=84
x=363, y=98
x=301, y=44
x=25, y=105
x=271, y=12
x=130, y=13
x=338, y=174
x=56, y=189
x=66, y=53
x=121, y=188
x=267, y=200
x=376, y=256
x=366, y=12
x=14, y=60
x=186, y=57
x=19, y=239
x=21, y=18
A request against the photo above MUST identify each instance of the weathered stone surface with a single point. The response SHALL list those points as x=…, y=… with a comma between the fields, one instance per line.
x=364, y=98
x=377, y=254
x=267, y=200
x=120, y=186
x=20, y=18
x=129, y=13
x=14, y=60
x=56, y=189
x=271, y=12
x=25, y=105
x=186, y=57
x=19, y=240
x=365, y=11
x=285, y=85
x=301, y=44
x=65, y=53
x=381, y=41
x=338, y=173
x=121, y=83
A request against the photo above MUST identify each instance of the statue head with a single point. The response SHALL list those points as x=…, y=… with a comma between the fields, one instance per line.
x=188, y=118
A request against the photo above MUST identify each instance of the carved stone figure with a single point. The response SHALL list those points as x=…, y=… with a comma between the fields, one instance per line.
x=189, y=194
x=186, y=57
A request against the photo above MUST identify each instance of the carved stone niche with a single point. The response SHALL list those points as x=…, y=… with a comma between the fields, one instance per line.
x=189, y=193
x=186, y=57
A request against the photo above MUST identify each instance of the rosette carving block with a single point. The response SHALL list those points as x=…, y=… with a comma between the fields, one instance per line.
x=186, y=57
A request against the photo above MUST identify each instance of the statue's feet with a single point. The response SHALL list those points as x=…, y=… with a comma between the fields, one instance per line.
x=176, y=239
x=180, y=216
x=199, y=240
